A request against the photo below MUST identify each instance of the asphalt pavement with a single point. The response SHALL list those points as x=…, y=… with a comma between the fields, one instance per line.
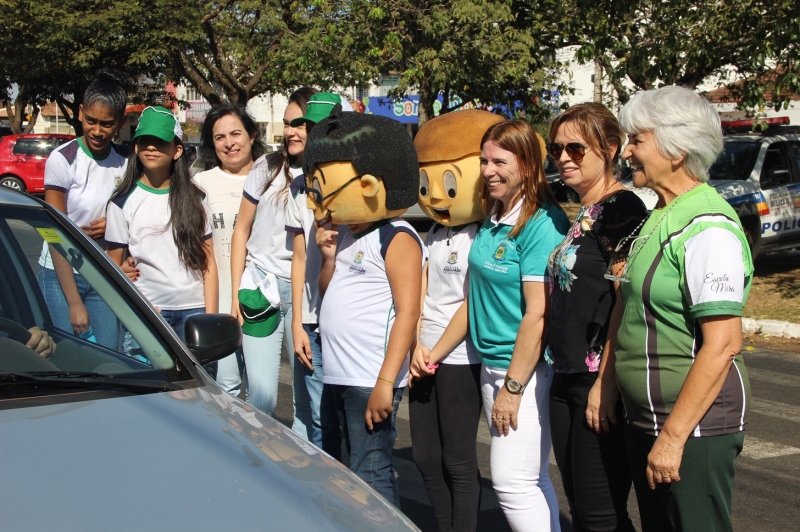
x=766, y=492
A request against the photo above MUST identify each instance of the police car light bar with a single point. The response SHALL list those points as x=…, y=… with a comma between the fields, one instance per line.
x=746, y=125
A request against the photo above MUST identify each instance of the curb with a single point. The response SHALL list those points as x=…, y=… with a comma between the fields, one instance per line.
x=779, y=329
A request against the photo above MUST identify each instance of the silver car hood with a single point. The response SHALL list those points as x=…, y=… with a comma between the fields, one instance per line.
x=194, y=459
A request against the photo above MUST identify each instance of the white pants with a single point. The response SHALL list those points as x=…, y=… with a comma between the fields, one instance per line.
x=520, y=461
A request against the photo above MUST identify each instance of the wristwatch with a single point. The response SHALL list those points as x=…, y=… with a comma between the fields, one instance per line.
x=514, y=386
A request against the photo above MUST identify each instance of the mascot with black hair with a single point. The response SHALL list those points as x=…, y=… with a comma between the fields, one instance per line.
x=362, y=172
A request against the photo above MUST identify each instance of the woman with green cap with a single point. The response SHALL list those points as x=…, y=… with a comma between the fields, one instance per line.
x=262, y=250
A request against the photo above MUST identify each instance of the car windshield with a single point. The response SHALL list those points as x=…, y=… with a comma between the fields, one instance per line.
x=42, y=267
x=736, y=161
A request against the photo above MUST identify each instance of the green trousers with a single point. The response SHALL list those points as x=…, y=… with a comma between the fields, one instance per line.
x=702, y=500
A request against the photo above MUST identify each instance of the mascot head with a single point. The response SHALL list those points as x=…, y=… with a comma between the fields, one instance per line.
x=449, y=149
x=359, y=168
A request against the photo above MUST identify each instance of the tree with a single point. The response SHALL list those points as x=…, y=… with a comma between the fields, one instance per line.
x=236, y=50
x=56, y=47
x=492, y=51
x=644, y=44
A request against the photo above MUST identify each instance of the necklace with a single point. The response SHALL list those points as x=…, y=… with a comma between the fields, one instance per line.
x=638, y=242
x=454, y=233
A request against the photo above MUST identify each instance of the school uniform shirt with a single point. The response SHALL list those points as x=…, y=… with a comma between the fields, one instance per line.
x=87, y=180
x=224, y=193
x=300, y=219
x=358, y=312
x=139, y=221
x=270, y=246
x=448, y=283
x=694, y=263
x=498, y=265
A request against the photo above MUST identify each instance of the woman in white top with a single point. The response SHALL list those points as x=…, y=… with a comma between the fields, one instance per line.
x=230, y=144
x=261, y=254
x=79, y=178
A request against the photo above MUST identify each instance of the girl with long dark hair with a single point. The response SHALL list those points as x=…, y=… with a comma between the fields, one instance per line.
x=161, y=219
x=261, y=257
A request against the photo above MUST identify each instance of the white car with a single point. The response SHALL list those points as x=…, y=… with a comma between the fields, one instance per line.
x=759, y=175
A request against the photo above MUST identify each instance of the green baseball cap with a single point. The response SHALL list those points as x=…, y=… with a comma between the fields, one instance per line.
x=319, y=107
x=159, y=122
x=260, y=317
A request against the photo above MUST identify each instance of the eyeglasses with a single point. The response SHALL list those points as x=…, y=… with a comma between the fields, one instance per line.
x=575, y=150
x=317, y=194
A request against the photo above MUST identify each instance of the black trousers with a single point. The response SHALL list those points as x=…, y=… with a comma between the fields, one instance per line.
x=594, y=469
x=444, y=413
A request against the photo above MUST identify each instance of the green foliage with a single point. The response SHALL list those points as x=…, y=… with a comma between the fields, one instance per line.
x=646, y=44
x=492, y=51
x=52, y=49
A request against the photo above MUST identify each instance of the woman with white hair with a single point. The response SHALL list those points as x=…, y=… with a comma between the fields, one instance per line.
x=685, y=282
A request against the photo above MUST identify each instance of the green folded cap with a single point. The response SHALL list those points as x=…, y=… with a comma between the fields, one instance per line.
x=319, y=107
x=159, y=122
x=260, y=318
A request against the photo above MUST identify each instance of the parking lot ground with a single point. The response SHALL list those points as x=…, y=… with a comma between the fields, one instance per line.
x=766, y=496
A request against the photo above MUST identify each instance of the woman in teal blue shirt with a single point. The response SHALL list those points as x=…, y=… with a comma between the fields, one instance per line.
x=506, y=310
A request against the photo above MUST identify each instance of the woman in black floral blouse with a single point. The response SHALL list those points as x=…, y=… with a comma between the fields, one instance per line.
x=585, y=141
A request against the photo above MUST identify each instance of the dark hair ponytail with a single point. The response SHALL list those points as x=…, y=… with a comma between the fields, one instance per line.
x=110, y=88
x=187, y=215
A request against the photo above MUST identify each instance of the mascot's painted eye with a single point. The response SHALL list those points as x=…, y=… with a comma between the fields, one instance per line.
x=449, y=181
x=423, y=183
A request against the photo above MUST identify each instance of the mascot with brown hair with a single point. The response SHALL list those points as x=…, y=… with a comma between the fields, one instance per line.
x=445, y=400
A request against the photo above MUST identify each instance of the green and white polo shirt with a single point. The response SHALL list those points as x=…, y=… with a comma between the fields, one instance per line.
x=695, y=264
x=498, y=265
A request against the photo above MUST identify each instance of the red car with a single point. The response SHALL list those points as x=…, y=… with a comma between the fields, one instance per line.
x=22, y=159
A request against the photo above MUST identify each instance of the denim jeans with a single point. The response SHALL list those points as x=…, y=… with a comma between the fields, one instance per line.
x=102, y=320
x=262, y=356
x=177, y=320
x=229, y=373
x=370, y=450
x=315, y=416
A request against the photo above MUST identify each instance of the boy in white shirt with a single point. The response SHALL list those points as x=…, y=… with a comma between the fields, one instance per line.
x=362, y=171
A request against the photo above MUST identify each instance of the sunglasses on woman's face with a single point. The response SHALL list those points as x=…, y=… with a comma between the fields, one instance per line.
x=575, y=150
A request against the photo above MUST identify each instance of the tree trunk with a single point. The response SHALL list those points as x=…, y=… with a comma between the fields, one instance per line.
x=33, y=118
x=18, y=110
x=426, y=98
x=70, y=110
x=598, y=81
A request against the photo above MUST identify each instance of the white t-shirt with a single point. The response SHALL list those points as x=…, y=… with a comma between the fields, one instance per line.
x=139, y=221
x=300, y=219
x=357, y=313
x=448, y=285
x=270, y=245
x=224, y=194
x=87, y=180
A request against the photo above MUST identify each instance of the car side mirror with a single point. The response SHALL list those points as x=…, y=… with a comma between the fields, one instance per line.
x=211, y=337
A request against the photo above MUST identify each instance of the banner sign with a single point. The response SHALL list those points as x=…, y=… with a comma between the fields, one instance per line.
x=197, y=111
x=406, y=110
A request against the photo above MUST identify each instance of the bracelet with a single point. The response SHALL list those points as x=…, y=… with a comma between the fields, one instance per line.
x=387, y=380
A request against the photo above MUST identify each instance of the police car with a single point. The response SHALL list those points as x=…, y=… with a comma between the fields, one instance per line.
x=758, y=173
